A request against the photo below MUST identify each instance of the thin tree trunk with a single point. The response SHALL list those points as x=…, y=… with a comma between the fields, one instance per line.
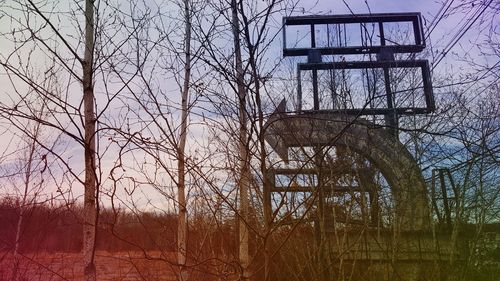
x=262, y=156
x=244, y=180
x=90, y=211
x=22, y=205
x=181, y=196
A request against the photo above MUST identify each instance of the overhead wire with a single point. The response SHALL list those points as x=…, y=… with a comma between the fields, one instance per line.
x=456, y=38
x=461, y=32
x=435, y=21
x=433, y=25
x=468, y=24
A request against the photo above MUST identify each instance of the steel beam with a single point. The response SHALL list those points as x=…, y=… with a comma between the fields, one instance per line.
x=426, y=81
x=414, y=18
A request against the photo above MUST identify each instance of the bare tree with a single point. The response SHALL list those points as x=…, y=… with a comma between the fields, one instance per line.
x=90, y=186
x=173, y=120
x=182, y=236
x=41, y=46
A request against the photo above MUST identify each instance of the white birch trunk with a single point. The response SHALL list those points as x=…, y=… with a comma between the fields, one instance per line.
x=181, y=184
x=243, y=184
x=89, y=211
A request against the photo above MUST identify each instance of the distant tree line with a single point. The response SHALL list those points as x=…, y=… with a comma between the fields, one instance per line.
x=58, y=228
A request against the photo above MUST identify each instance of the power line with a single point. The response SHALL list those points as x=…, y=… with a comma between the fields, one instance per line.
x=462, y=31
x=433, y=25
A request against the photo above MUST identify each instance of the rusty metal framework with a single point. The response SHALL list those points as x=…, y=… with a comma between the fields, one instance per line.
x=385, y=60
x=363, y=148
x=423, y=65
x=321, y=128
x=414, y=18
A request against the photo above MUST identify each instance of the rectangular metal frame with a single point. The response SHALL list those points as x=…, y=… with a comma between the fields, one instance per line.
x=422, y=64
x=414, y=18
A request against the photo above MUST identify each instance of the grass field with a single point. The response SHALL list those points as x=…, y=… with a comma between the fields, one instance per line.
x=68, y=266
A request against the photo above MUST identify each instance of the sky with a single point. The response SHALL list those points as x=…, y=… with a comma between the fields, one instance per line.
x=440, y=36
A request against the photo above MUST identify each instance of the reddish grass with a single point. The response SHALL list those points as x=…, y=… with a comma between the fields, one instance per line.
x=69, y=266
